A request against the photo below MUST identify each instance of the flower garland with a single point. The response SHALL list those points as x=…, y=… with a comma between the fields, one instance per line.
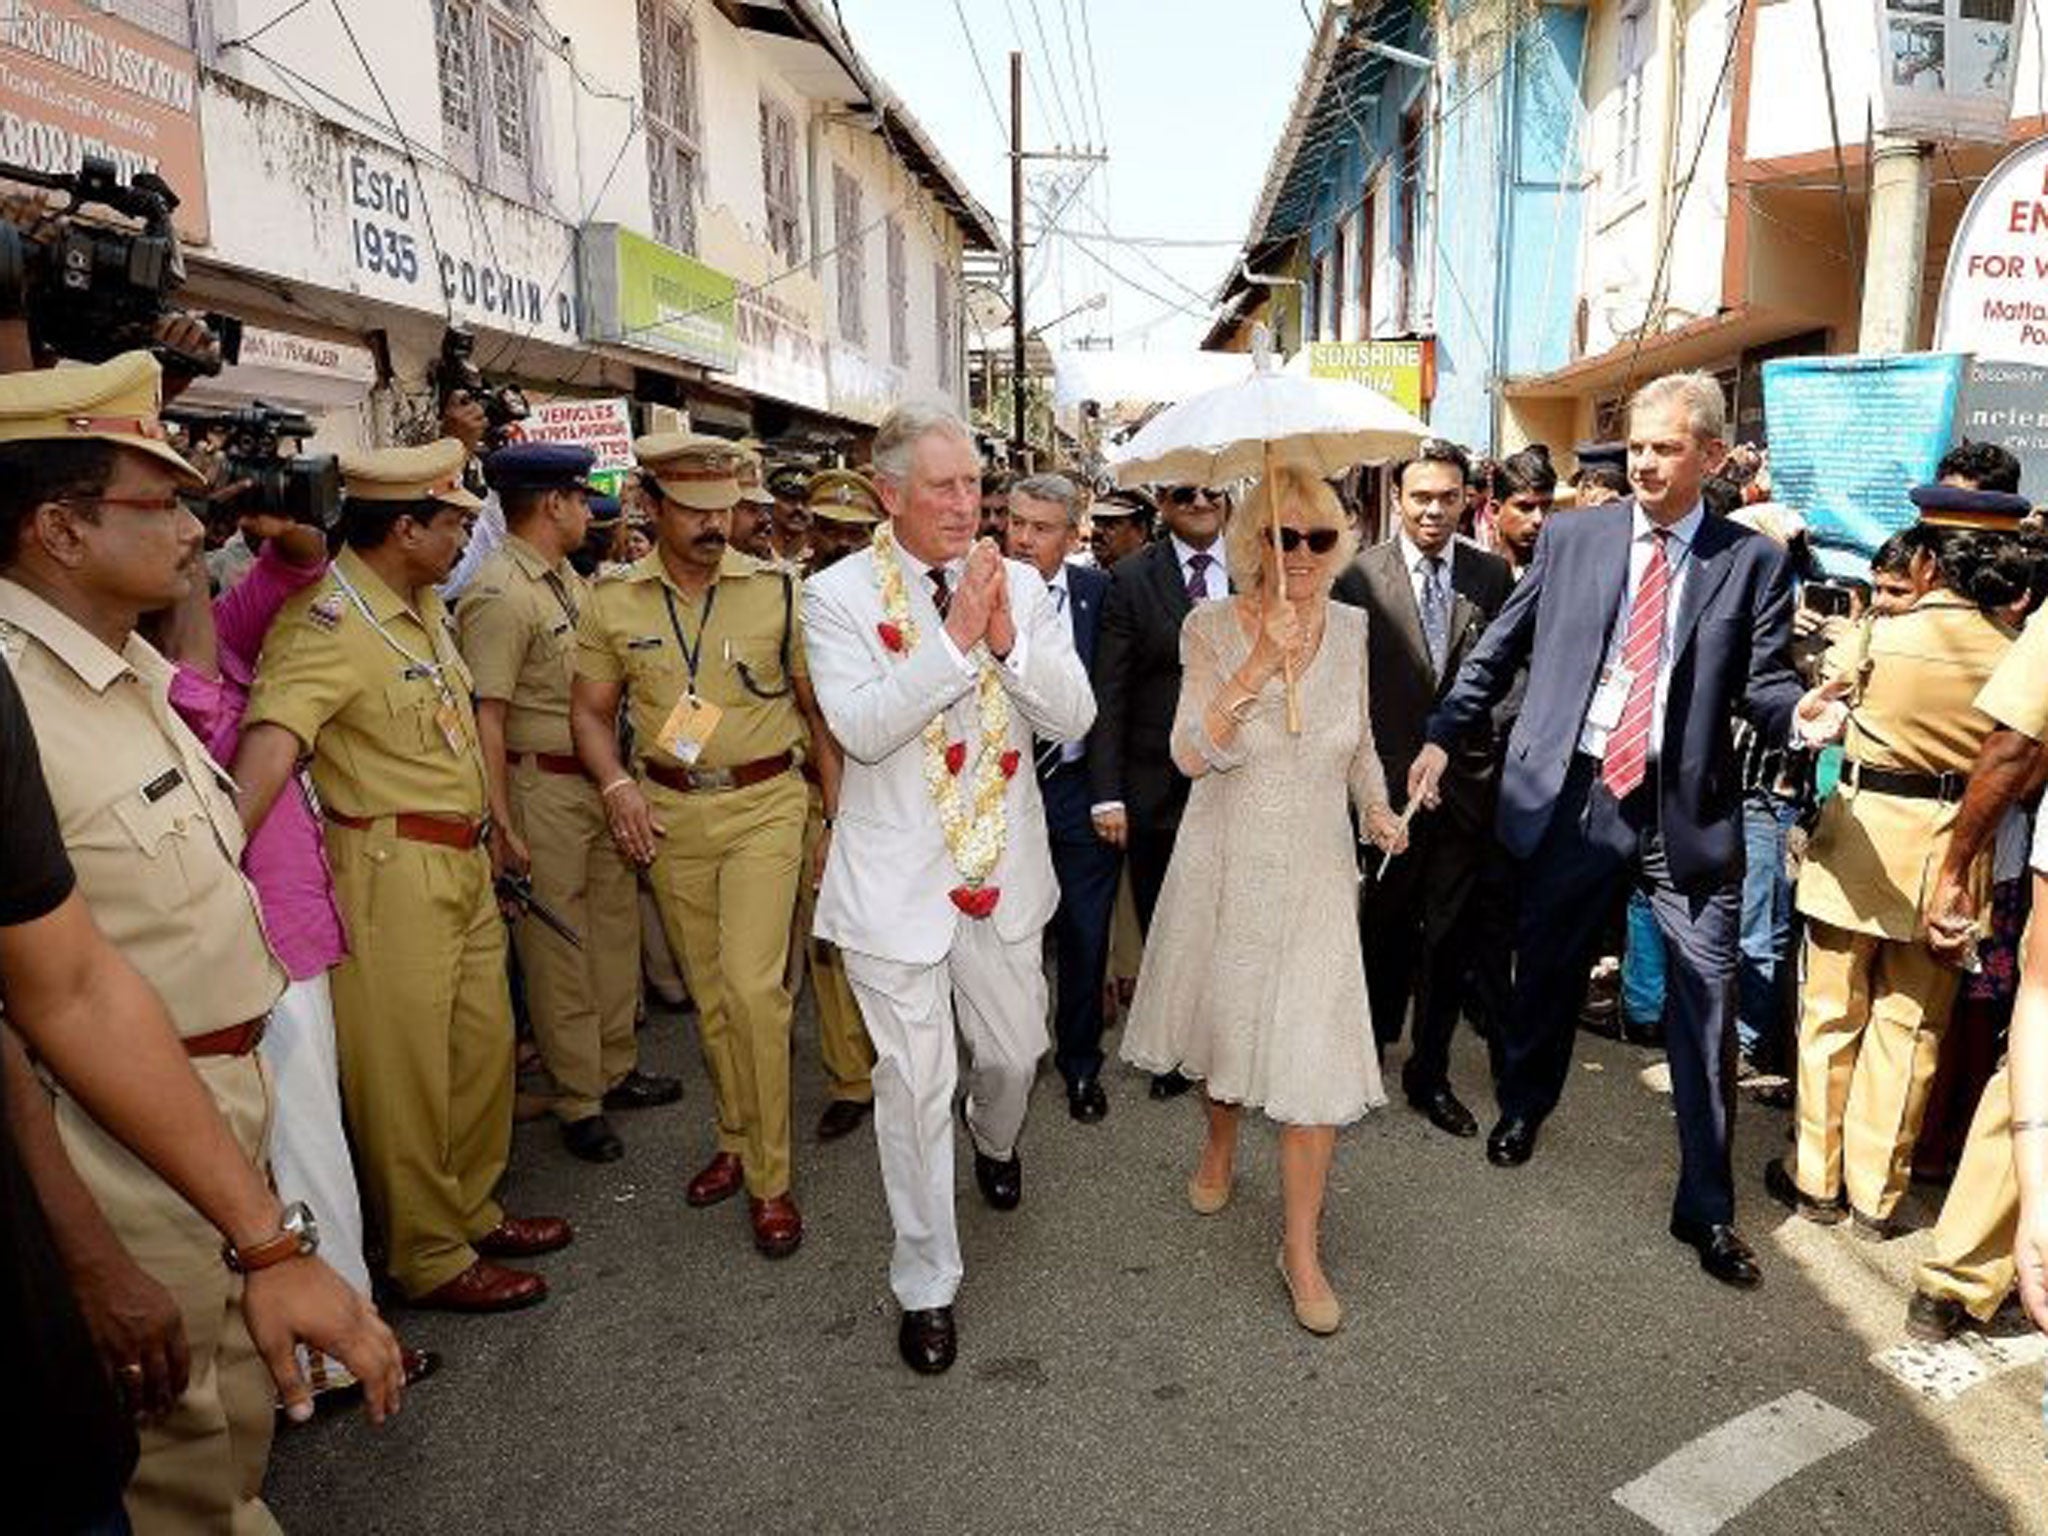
x=976, y=827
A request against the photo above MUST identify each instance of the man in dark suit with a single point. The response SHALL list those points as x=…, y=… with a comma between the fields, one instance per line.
x=1646, y=626
x=1138, y=793
x=1427, y=596
x=1044, y=529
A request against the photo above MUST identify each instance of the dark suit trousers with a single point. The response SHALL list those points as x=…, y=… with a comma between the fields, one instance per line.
x=1087, y=870
x=1151, y=851
x=1593, y=848
x=1408, y=927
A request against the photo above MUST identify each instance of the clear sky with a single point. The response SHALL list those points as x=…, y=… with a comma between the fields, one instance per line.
x=1192, y=93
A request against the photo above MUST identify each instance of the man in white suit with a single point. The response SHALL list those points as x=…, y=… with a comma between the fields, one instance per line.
x=936, y=663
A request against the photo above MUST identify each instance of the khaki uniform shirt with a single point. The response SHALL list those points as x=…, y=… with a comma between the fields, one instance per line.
x=752, y=651
x=2017, y=695
x=148, y=818
x=1873, y=858
x=517, y=624
x=381, y=699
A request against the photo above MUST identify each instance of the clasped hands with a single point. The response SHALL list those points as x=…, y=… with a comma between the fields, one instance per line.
x=980, y=608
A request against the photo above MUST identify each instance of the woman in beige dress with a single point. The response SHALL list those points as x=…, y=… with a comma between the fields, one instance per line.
x=1252, y=981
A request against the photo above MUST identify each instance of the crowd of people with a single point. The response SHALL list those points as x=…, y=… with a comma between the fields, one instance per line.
x=306, y=833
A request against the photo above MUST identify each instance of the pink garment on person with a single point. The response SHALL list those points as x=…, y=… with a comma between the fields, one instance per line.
x=286, y=860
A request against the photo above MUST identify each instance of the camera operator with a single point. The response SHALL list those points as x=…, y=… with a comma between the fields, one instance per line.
x=92, y=535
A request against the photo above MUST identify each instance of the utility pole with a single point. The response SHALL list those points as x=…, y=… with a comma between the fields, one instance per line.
x=1895, y=255
x=1017, y=256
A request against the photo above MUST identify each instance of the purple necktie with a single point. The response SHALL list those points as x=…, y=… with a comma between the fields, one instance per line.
x=1198, y=577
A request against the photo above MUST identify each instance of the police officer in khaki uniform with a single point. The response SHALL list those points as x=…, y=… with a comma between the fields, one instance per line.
x=790, y=485
x=706, y=646
x=1877, y=997
x=517, y=624
x=92, y=535
x=361, y=670
x=843, y=507
x=753, y=515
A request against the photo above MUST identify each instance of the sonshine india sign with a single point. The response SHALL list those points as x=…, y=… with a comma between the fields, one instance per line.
x=1403, y=371
x=1994, y=296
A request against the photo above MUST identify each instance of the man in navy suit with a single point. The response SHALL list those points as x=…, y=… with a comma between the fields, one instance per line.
x=1044, y=529
x=1646, y=626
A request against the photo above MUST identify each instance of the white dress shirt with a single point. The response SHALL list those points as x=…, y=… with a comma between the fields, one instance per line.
x=1063, y=605
x=1678, y=556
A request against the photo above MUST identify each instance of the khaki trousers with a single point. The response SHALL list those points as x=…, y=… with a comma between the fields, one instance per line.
x=843, y=1043
x=1869, y=1040
x=424, y=1022
x=725, y=877
x=202, y=1468
x=582, y=1002
x=1971, y=1261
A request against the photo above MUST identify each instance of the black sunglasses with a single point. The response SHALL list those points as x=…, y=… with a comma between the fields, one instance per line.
x=1184, y=495
x=1320, y=541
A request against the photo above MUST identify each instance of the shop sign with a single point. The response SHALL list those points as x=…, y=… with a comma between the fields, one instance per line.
x=1946, y=67
x=1403, y=371
x=2007, y=404
x=1850, y=436
x=75, y=81
x=1994, y=295
x=862, y=389
x=642, y=294
x=779, y=351
x=604, y=426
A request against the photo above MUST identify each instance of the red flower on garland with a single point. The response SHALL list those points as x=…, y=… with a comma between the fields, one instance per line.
x=1010, y=760
x=891, y=635
x=956, y=757
x=976, y=900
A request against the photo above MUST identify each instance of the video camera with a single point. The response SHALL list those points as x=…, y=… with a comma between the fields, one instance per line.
x=90, y=291
x=305, y=487
x=457, y=369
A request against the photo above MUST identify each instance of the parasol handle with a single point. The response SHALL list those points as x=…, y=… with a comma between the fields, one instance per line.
x=1279, y=576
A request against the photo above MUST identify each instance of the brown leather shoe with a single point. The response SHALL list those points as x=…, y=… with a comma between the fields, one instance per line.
x=720, y=1180
x=522, y=1237
x=486, y=1287
x=778, y=1228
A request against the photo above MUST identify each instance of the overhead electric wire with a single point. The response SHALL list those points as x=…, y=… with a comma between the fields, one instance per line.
x=974, y=53
x=1059, y=99
x=1074, y=66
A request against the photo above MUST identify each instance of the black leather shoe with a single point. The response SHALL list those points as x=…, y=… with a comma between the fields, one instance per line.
x=1932, y=1319
x=593, y=1139
x=1444, y=1111
x=1170, y=1085
x=1873, y=1229
x=842, y=1117
x=1001, y=1180
x=1651, y=1035
x=926, y=1340
x=638, y=1090
x=1723, y=1253
x=1086, y=1101
x=1512, y=1141
x=1783, y=1188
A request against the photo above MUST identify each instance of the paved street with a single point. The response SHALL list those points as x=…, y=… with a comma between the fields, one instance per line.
x=1518, y=1346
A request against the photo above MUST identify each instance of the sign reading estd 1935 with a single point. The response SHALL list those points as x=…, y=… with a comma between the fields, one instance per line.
x=393, y=237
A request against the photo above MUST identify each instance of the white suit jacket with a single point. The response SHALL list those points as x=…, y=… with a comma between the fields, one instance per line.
x=889, y=875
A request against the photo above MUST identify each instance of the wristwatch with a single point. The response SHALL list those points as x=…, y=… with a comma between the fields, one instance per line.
x=297, y=1235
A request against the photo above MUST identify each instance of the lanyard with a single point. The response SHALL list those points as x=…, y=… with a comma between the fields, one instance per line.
x=557, y=586
x=691, y=656
x=434, y=667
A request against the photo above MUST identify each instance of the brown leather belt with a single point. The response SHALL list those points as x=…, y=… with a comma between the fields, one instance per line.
x=551, y=762
x=685, y=780
x=235, y=1040
x=420, y=827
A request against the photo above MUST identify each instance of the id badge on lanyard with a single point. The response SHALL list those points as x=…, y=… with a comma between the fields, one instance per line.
x=691, y=722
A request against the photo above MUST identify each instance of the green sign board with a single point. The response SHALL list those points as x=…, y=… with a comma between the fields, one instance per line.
x=638, y=293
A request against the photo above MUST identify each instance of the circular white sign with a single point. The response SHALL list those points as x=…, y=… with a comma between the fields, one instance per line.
x=1994, y=296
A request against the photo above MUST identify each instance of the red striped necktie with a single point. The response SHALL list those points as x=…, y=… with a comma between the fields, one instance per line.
x=1628, y=744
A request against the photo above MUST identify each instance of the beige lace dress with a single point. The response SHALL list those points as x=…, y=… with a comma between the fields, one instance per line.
x=1252, y=979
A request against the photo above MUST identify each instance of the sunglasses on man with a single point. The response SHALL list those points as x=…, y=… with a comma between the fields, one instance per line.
x=1184, y=495
x=1320, y=541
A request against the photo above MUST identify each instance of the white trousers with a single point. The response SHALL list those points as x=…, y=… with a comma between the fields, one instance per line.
x=997, y=993
x=309, y=1157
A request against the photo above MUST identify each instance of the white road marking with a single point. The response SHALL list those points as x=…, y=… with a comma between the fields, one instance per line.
x=1944, y=1372
x=1707, y=1482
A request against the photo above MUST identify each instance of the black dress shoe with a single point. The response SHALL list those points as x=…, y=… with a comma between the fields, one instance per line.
x=1170, y=1085
x=1723, y=1253
x=1001, y=1180
x=1933, y=1319
x=842, y=1117
x=639, y=1090
x=1783, y=1188
x=1651, y=1035
x=593, y=1139
x=1512, y=1141
x=926, y=1340
x=1086, y=1101
x=1444, y=1111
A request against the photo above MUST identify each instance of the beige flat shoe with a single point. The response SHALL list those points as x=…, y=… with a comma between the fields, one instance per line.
x=1318, y=1317
x=1207, y=1199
